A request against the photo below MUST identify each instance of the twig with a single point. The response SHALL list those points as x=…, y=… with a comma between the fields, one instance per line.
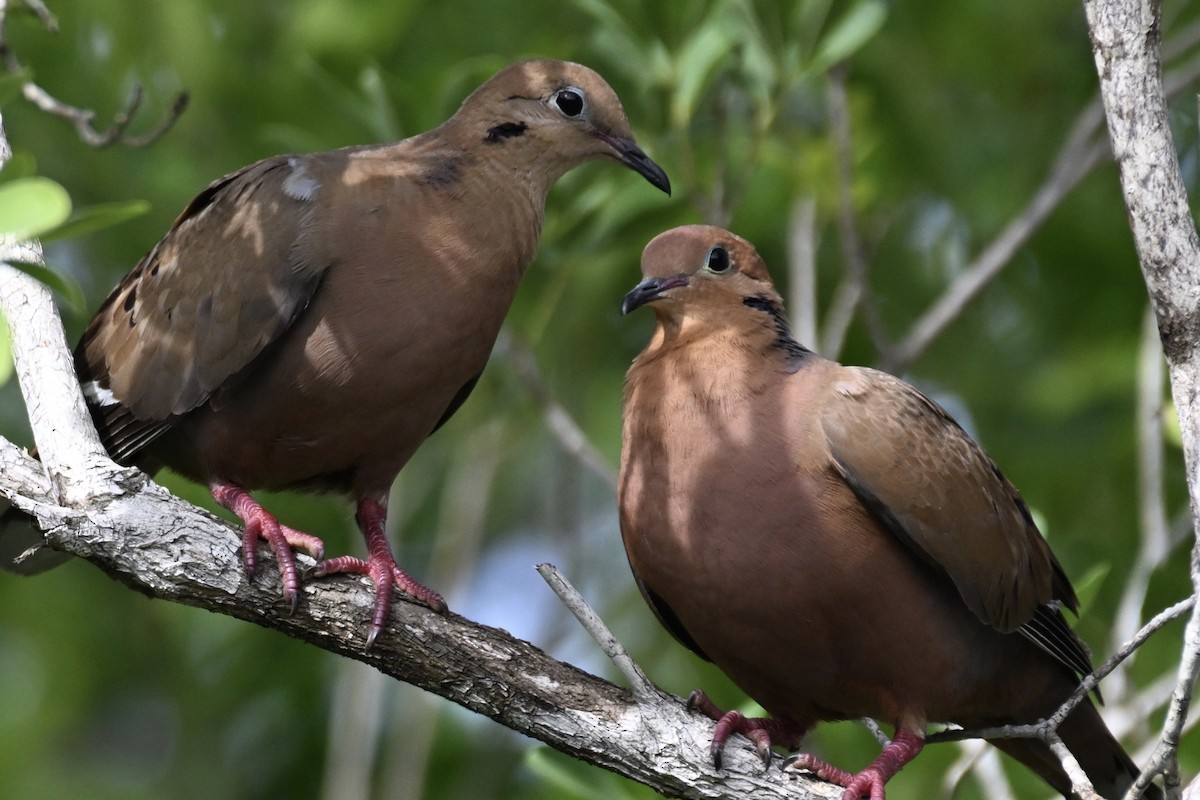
x=594, y=625
x=1081, y=785
x=43, y=14
x=1038, y=730
x=1165, y=759
x=557, y=418
x=802, y=270
x=1154, y=544
x=876, y=731
x=851, y=293
x=1084, y=148
x=83, y=118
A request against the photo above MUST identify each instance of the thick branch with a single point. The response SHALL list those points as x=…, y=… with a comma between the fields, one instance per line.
x=1125, y=39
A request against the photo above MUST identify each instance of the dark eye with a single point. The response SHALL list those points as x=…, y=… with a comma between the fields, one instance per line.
x=569, y=101
x=718, y=259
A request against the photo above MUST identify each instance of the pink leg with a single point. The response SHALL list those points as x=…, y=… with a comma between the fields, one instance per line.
x=903, y=749
x=763, y=732
x=260, y=524
x=380, y=567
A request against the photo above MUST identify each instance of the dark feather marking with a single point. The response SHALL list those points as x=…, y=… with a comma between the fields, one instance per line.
x=796, y=352
x=671, y=622
x=443, y=172
x=131, y=298
x=456, y=402
x=505, y=130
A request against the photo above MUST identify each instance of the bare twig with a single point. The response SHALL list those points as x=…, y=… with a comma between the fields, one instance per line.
x=1038, y=730
x=851, y=293
x=43, y=14
x=1154, y=544
x=558, y=419
x=802, y=270
x=83, y=118
x=1084, y=148
x=594, y=625
x=1081, y=785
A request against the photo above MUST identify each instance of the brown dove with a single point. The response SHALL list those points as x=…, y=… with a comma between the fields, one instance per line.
x=310, y=319
x=830, y=538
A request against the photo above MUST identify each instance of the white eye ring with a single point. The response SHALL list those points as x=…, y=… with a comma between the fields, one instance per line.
x=570, y=101
x=718, y=260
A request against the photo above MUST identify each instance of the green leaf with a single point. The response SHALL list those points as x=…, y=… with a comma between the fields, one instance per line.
x=697, y=60
x=1088, y=587
x=66, y=287
x=379, y=111
x=93, y=218
x=30, y=206
x=850, y=33
x=6, y=359
x=1172, y=433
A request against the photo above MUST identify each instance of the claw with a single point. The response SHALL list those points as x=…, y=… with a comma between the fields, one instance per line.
x=763, y=732
x=380, y=566
x=260, y=524
x=870, y=781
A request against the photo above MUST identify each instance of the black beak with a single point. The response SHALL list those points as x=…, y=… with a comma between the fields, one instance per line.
x=629, y=154
x=650, y=290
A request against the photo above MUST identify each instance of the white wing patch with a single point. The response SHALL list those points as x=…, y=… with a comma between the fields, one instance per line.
x=300, y=185
x=99, y=395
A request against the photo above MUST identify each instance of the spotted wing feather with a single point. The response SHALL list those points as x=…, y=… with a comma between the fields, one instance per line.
x=219, y=288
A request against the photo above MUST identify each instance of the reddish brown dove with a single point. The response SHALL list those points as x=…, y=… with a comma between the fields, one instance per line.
x=310, y=319
x=830, y=538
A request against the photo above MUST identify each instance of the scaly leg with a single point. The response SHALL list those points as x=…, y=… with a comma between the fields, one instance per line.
x=903, y=749
x=261, y=524
x=380, y=567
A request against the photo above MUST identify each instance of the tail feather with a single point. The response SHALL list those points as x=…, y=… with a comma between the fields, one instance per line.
x=1106, y=763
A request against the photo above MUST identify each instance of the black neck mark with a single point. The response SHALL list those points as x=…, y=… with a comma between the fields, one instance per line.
x=796, y=352
x=442, y=172
x=505, y=130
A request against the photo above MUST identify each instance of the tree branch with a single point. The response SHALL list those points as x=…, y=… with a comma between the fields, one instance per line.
x=83, y=118
x=560, y=422
x=1125, y=40
x=1081, y=151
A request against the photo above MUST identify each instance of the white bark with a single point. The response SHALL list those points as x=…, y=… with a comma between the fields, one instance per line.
x=1126, y=37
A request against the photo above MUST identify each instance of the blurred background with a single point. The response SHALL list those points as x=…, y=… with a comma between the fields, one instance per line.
x=878, y=153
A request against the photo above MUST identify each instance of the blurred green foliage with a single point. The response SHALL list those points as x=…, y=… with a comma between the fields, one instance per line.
x=957, y=109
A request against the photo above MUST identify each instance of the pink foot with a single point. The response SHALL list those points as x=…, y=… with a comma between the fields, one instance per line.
x=381, y=568
x=763, y=732
x=903, y=749
x=260, y=524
